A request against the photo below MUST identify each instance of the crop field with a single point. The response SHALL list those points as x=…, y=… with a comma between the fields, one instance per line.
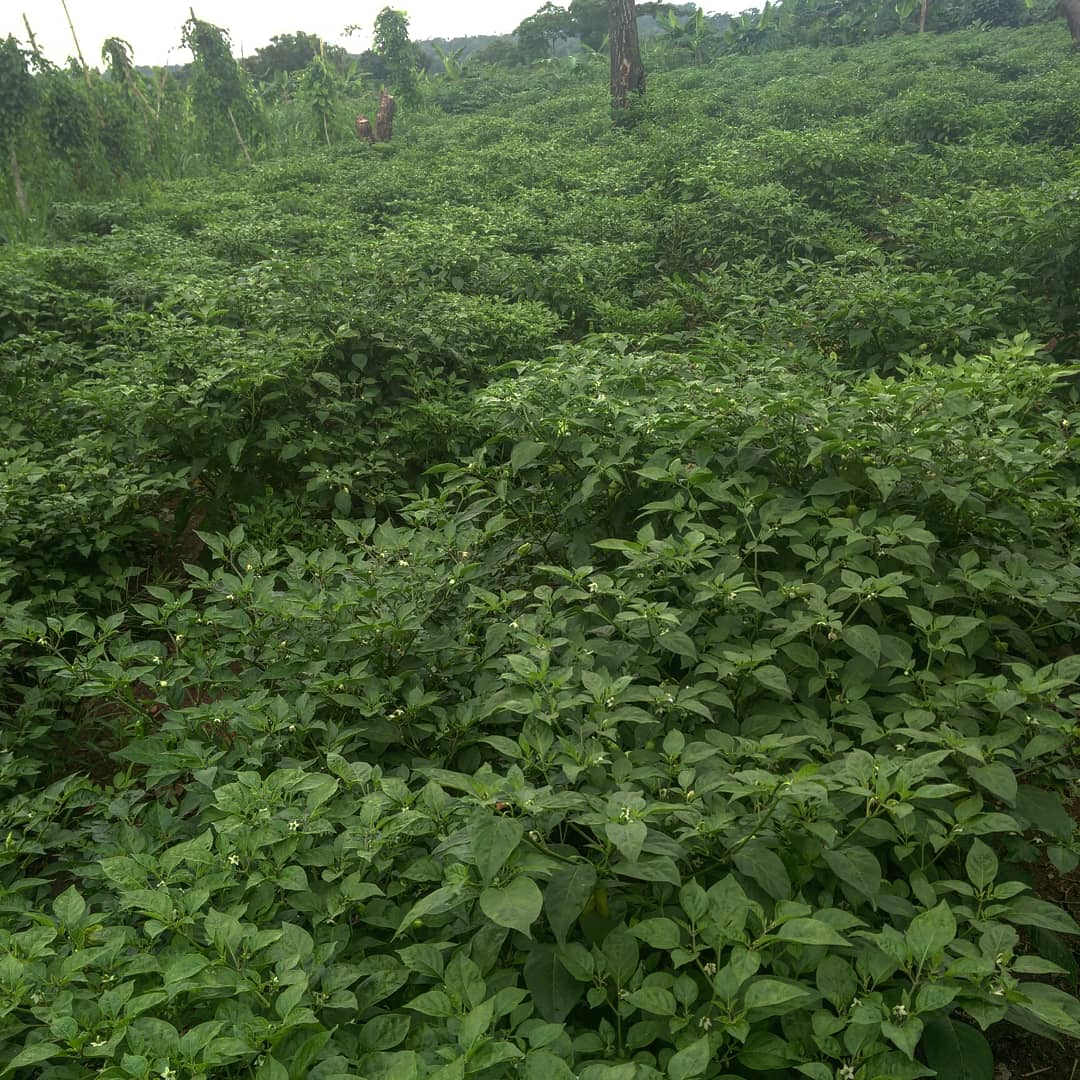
x=546, y=599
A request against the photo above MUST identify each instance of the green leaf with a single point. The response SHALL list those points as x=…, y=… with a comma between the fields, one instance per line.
x=857, y=867
x=691, y=1061
x=69, y=907
x=554, y=990
x=544, y=1065
x=772, y=678
x=930, y=932
x=33, y=1055
x=981, y=865
x=679, y=643
x=775, y=997
x=621, y=952
x=884, y=480
x=1030, y=911
x=957, y=1051
x=863, y=640
x=766, y=868
x=654, y=1000
x=516, y=905
x=525, y=453
x=998, y=779
x=628, y=837
x=494, y=841
x=810, y=932
x=1053, y=1007
x=565, y=896
x=659, y=933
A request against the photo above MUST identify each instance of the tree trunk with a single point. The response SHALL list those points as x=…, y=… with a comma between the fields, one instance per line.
x=922, y=16
x=627, y=70
x=20, y=191
x=363, y=129
x=384, y=118
x=1071, y=10
x=326, y=129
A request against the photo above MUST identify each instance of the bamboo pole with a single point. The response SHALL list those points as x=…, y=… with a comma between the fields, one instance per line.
x=239, y=137
x=20, y=191
x=30, y=35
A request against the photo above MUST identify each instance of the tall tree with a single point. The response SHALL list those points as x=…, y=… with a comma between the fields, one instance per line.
x=538, y=34
x=217, y=82
x=590, y=21
x=393, y=44
x=627, y=70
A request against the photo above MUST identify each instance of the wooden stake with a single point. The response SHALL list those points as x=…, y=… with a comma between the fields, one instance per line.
x=20, y=191
x=75, y=38
x=239, y=137
x=30, y=35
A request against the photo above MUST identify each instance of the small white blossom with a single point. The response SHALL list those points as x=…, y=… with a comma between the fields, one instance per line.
x=710, y=969
x=294, y=825
x=899, y=1012
x=705, y=1023
x=234, y=859
x=846, y=1072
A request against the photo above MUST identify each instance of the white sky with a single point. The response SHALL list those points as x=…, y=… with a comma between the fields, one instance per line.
x=153, y=26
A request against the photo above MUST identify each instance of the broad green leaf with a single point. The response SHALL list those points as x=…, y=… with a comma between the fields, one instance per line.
x=565, y=896
x=775, y=997
x=33, y=1055
x=810, y=932
x=525, y=453
x=679, y=643
x=654, y=1000
x=930, y=932
x=494, y=841
x=628, y=837
x=544, y=1065
x=554, y=990
x=863, y=640
x=691, y=1061
x=765, y=867
x=516, y=905
x=857, y=867
x=958, y=1051
x=1053, y=1007
x=621, y=952
x=998, y=779
x=981, y=864
x=659, y=933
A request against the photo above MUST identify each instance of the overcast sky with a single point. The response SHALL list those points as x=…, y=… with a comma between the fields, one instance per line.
x=153, y=26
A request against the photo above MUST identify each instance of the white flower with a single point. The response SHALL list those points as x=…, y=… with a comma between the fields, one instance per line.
x=846, y=1072
x=403, y=562
x=294, y=825
x=593, y=586
x=452, y=581
x=704, y=1023
x=899, y=1012
x=710, y=969
x=163, y=682
x=234, y=859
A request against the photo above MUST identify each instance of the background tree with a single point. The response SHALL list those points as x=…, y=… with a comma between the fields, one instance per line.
x=590, y=21
x=393, y=44
x=292, y=53
x=217, y=85
x=627, y=70
x=16, y=98
x=538, y=35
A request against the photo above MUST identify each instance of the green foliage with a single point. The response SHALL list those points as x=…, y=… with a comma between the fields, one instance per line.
x=16, y=91
x=555, y=600
x=393, y=44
